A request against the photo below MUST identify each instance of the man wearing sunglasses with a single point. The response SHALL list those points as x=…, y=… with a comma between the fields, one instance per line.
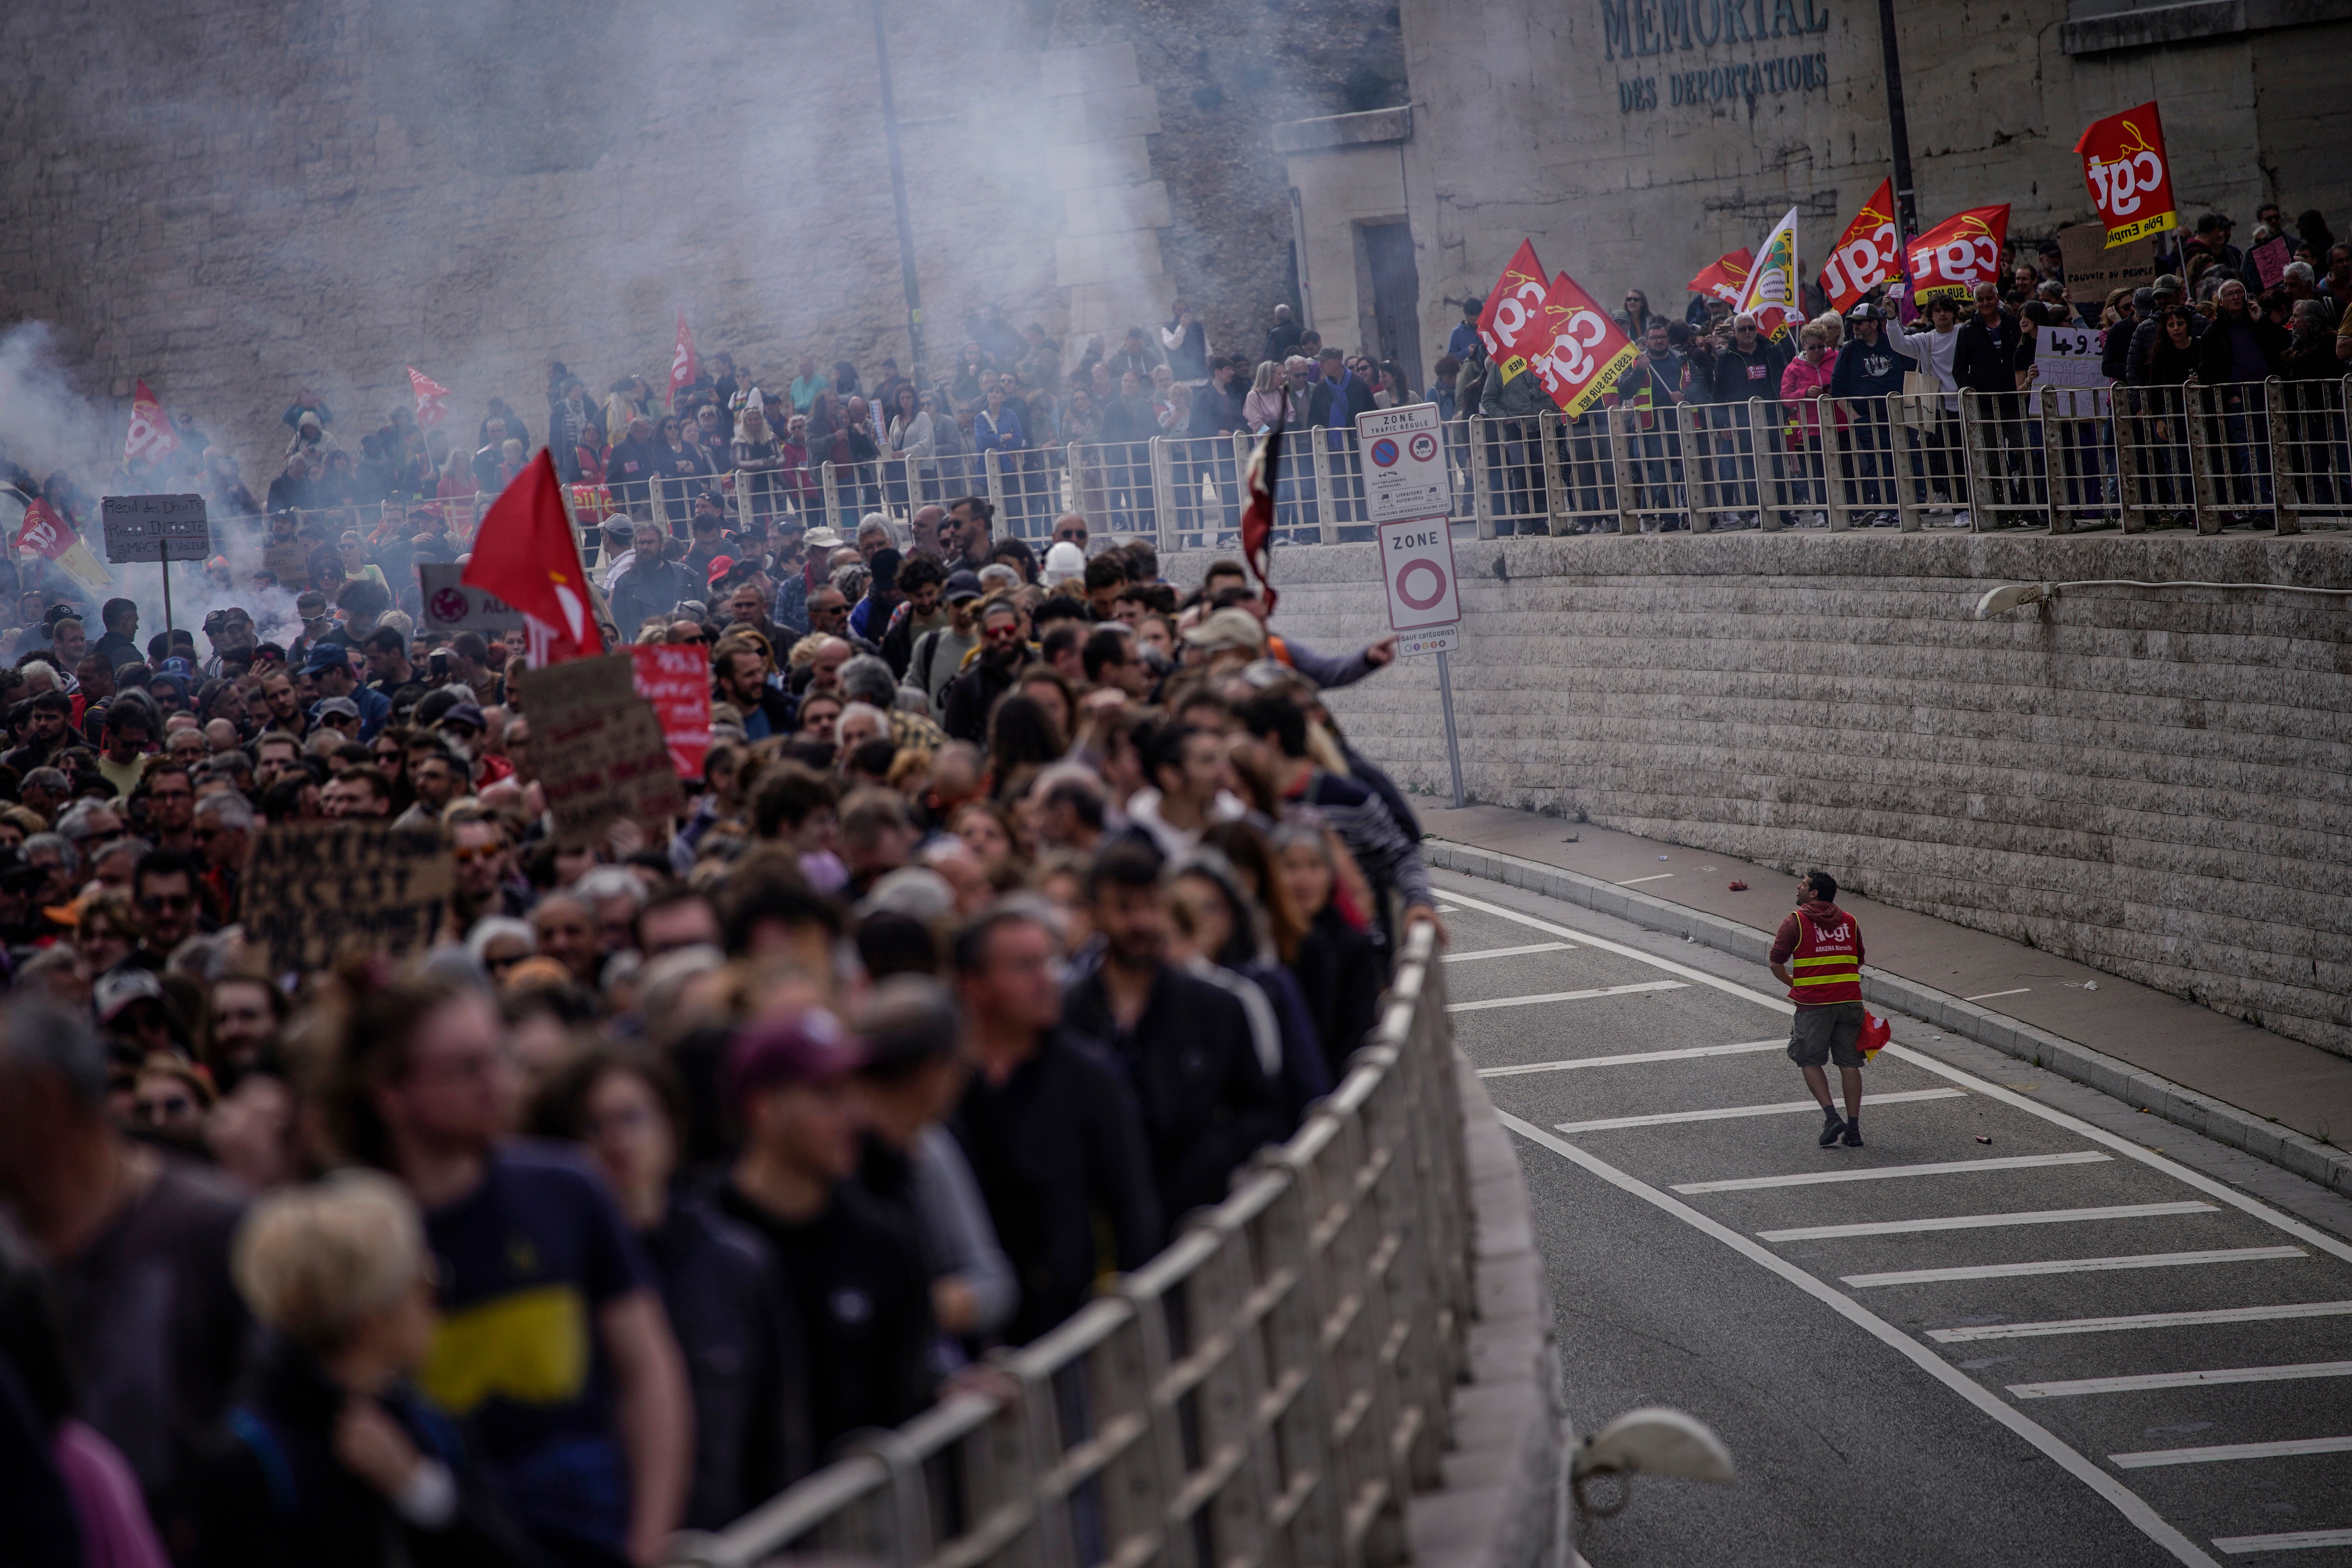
x=164, y=889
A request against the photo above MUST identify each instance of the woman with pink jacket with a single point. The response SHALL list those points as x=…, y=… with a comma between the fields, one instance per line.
x=1803, y=384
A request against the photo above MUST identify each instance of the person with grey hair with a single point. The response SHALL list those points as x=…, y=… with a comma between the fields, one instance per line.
x=875, y=533
x=60, y=863
x=137, y=1246
x=90, y=819
x=910, y=1080
x=867, y=678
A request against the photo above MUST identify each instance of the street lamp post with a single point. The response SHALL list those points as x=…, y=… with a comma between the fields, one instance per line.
x=1906, y=208
x=898, y=199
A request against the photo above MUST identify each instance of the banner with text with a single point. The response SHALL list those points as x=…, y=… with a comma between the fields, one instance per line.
x=676, y=679
x=1950, y=260
x=1867, y=254
x=597, y=748
x=1770, y=293
x=1506, y=326
x=2130, y=180
x=1583, y=352
x=316, y=888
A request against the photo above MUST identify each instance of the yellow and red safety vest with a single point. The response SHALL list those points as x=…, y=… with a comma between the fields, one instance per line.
x=1827, y=964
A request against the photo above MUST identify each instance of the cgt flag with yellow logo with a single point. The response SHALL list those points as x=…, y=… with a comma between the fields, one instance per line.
x=1867, y=254
x=1507, y=325
x=1583, y=351
x=1770, y=292
x=1950, y=260
x=2129, y=176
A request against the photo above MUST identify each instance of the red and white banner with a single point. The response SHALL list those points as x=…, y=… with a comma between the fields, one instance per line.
x=1867, y=254
x=45, y=531
x=1583, y=351
x=2129, y=176
x=151, y=435
x=684, y=366
x=1506, y=326
x=676, y=679
x=432, y=399
x=1950, y=260
x=1725, y=277
x=1770, y=293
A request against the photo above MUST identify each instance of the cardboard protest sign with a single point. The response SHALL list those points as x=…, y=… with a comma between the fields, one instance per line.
x=289, y=562
x=676, y=679
x=1507, y=325
x=315, y=888
x=2093, y=272
x=2270, y=260
x=596, y=748
x=2130, y=180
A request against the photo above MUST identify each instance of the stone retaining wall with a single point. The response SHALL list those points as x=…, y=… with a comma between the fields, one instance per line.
x=2157, y=784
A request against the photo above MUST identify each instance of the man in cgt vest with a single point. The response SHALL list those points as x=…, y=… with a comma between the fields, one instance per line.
x=1817, y=954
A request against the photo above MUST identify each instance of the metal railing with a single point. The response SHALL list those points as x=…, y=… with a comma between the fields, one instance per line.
x=1268, y=1391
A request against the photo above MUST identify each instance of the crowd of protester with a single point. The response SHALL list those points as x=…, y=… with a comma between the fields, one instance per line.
x=1018, y=904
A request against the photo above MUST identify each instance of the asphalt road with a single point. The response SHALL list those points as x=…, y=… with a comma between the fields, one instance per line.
x=2070, y=1350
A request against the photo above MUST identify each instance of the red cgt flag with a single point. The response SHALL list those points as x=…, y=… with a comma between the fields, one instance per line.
x=1506, y=326
x=151, y=435
x=525, y=555
x=1725, y=277
x=684, y=366
x=1950, y=260
x=432, y=399
x=1867, y=254
x=45, y=531
x=2129, y=176
x=1584, y=351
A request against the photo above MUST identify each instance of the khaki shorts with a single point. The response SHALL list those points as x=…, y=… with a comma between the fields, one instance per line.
x=1827, y=1033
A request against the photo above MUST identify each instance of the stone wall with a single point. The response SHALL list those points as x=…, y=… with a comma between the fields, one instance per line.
x=234, y=199
x=2155, y=783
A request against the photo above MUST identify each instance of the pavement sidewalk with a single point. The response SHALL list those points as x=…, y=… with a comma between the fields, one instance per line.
x=2235, y=1083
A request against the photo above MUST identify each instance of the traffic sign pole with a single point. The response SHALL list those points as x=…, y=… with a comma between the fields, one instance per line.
x=1453, y=745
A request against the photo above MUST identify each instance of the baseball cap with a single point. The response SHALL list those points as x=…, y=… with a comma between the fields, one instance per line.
x=1864, y=310
x=809, y=1047
x=823, y=538
x=328, y=708
x=720, y=565
x=1065, y=561
x=963, y=587
x=325, y=656
x=1231, y=627
x=120, y=988
x=467, y=713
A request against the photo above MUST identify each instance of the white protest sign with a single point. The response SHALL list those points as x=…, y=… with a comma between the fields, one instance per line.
x=2069, y=356
x=155, y=528
x=451, y=607
x=1417, y=565
x=1403, y=453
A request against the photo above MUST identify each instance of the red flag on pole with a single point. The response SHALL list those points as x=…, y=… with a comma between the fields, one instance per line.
x=45, y=531
x=1257, y=518
x=684, y=366
x=1867, y=254
x=151, y=435
x=1583, y=352
x=2130, y=178
x=525, y=555
x=1506, y=325
x=1950, y=260
x=1725, y=277
x=432, y=399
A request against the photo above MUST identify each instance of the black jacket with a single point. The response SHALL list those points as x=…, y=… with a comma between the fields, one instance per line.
x=746, y=1360
x=2144, y=338
x=275, y=1494
x=1341, y=972
x=2214, y=364
x=1206, y=1103
x=1057, y=1151
x=970, y=696
x=1985, y=360
x=644, y=591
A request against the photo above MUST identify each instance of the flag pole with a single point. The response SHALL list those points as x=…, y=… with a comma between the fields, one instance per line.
x=164, y=561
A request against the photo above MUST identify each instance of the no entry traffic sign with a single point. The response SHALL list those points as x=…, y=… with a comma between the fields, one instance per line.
x=1417, y=565
x=1403, y=453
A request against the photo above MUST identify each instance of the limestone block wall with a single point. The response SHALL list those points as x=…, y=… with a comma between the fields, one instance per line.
x=2155, y=783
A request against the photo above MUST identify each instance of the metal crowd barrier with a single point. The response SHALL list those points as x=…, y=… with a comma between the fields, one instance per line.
x=1269, y=1391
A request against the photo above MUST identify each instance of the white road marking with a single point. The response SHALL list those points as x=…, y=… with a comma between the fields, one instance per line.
x=2124, y=1501
x=1634, y=881
x=1509, y=952
x=2239, y=1545
x=1942, y=1168
x=2223, y=1452
x=1568, y=996
x=1989, y=995
x=2073, y=1266
x=1727, y=1113
x=2056, y=1118
x=1687, y=1053
x=2068, y=1388
x=2141, y=1320
x=1984, y=1221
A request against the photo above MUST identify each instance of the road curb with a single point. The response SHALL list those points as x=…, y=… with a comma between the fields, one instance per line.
x=2200, y=1113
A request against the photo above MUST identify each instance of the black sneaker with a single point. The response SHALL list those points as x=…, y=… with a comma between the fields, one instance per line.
x=1832, y=1125
x=1854, y=1133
